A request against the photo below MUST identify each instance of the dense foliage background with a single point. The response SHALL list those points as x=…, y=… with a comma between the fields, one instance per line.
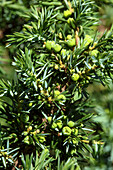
x=55, y=99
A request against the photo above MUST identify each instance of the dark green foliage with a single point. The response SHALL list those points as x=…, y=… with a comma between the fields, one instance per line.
x=47, y=105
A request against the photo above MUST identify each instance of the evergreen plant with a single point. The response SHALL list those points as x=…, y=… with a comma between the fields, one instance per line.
x=47, y=106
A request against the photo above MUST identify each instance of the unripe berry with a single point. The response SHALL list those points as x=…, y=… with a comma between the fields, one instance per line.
x=69, y=37
x=59, y=125
x=60, y=35
x=56, y=66
x=57, y=48
x=65, y=117
x=49, y=119
x=75, y=132
x=49, y=89
x=67, y=13
x=42, y=139
x=49, y=99
x=66, y=131
x=54, y=125
x=75, y=141
x=25, y=133
x=38, y=131
x=26, y=140
x=29, y=128
x=71, y=124
x=35, y=132
x=24, y=118
x=94, y=53
x=56, y=93
x=49, y=45
x=72, y=70
x=30, y=104
x=81, y=125
x=39, y=97
x=61, y=97
x=71, y=42
x=87, y=40
x=63, y=52
x=70, y=20
x=75, y=77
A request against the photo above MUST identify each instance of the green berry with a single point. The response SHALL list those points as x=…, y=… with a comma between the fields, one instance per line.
x=61, y=97
x=30, y=104
x=35, y=132
x=66, y=131
x=38, y=131
x=70, y=20
x=52, y=43
x=49, y=45
x=72, y=71
x=56, y=66
x=71, y=124
x=54, y=125
x=75, y=141
x=75, y=77
x=39, y=97
x=49, y=89
x=26, y=140
x=57, y=48
x=75, y=132
x=65, y=117
x=56, y=93
x=42, y=139
x=24, y=117
x=87, y=40
x=49, y=119
x=71, y=42
x=59, y=125
x=67, y=13
x=63, y=52
x=25, y=133
x=69, y=37
x=29, y=128
x=94, y=53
